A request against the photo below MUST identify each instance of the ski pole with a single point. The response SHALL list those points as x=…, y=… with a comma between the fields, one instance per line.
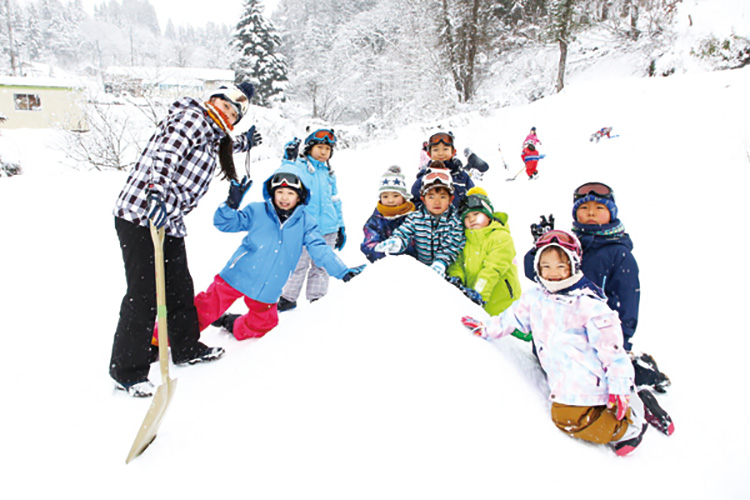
x=514, y=177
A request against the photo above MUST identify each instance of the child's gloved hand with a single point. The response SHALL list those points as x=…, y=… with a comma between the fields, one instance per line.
x=291, y=149
x=438, y=267
x=473, y=295
x=340, y=239
x=476, y=326
x=545, y=225
x=352, y=272
x=621, y=402
x=237, y=191
x=389, y=246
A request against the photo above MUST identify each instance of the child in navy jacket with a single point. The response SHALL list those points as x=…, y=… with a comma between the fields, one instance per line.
x=392, y=209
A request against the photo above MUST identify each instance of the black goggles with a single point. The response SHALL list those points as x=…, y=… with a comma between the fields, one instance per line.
x=596, y=188
x=470, y=203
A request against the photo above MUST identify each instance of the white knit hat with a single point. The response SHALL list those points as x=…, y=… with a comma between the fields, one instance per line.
x=393, y=181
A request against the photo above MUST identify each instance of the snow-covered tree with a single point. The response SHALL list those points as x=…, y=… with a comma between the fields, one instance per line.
x=259, y=61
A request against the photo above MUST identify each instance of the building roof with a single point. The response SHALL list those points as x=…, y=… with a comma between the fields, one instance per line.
x=171, y=74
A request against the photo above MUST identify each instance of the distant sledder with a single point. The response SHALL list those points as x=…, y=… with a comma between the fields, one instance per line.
x=602, y=133
x=531, y=157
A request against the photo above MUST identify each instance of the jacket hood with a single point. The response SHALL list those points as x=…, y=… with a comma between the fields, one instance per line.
x=288, y=167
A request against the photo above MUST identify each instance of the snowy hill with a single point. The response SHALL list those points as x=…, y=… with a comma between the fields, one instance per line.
x=377, y=391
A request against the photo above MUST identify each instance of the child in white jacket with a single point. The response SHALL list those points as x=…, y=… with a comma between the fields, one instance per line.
x=579, y=343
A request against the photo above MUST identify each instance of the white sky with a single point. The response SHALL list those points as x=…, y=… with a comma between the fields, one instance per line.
x=195, y=13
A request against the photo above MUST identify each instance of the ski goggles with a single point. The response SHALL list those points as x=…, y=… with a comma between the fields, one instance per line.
x=596, y=188
x=474, y=203
x=444, y=137
x=565, y=240
x=324, y=135
x=434, y=175
x=235, y=97
x=287, y=180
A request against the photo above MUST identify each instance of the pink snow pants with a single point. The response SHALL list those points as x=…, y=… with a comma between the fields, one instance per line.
x=211, y=304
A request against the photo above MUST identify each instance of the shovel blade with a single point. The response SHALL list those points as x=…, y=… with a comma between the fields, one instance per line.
x=150, y=425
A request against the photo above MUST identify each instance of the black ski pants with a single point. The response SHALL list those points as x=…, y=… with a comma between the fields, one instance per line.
x=132, y=349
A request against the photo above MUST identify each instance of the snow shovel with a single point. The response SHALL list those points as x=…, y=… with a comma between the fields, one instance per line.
x=514, y=177
x=165, y=391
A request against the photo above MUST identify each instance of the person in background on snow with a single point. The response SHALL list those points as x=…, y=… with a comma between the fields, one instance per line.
x=435, y=230
x=314, y=168
x=532, y=138
x=580, y=347
x=166, y=183
x=530, y=157
x=390, y=213
x=602, y=132
x=609, y=263
x=277, y=230
x=441, y=148
x=485, y=265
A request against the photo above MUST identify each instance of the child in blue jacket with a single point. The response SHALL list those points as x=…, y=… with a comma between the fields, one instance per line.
x=324, y=205
x=392, y=209
x=277, y=230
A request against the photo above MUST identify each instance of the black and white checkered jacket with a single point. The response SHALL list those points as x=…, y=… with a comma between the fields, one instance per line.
x=179, y=159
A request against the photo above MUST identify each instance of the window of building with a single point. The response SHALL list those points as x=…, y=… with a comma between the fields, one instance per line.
x=27, y=102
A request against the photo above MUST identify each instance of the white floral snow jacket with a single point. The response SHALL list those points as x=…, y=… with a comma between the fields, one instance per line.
x=578, y=340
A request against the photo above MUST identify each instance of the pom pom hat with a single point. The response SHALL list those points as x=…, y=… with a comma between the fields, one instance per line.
x=476, y=200
x=393, y=181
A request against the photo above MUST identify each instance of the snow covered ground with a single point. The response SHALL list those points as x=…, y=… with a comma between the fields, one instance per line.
x=377, y=391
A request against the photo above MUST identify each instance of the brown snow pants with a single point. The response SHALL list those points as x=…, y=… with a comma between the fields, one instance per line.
x=597, y=424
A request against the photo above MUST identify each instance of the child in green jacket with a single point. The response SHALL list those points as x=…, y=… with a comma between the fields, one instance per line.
x=486, y=262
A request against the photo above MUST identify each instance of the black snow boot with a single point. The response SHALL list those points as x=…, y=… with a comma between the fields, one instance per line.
x=655, y=414
x=285, y=305
x=226, y=322
x=647, y=373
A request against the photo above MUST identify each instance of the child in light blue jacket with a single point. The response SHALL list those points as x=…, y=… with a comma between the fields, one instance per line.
x=324, y=205
x=579, y=343
x=277, y=230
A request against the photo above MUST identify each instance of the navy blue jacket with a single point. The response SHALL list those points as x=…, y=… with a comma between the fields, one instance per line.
x=609, y=263
x=461, y=182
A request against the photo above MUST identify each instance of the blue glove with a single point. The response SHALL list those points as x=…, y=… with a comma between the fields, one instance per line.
x=253, y=137
x=473, y=295
x=291, y=149
x=438, y=267
x=340, y=239
x=157, y=209
x=352, y=272
x=389, y=246
x=237, y=191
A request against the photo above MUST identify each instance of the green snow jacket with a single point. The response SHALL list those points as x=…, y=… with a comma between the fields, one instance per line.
x=486, y=264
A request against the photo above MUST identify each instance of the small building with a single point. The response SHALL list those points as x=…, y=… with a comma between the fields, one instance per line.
x=165, y=81
x=42, y=102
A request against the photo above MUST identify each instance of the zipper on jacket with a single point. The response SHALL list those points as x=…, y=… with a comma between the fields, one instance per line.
x=234, y=262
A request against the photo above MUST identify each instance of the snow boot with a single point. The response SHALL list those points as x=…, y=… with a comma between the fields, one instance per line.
x=655, y=414
x=623, y=448
x=226, y=322
x=647, y=373
x=143, y=389
x=201, y=354
x=285, y=305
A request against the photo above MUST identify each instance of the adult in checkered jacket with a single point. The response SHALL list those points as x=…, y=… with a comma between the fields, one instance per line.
x=172, y=174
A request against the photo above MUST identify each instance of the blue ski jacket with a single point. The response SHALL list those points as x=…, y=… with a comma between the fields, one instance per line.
x=269, y=252
x=323, y=194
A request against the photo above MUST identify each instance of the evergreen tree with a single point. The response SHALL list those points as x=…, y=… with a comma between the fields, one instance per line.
x=257, y=42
